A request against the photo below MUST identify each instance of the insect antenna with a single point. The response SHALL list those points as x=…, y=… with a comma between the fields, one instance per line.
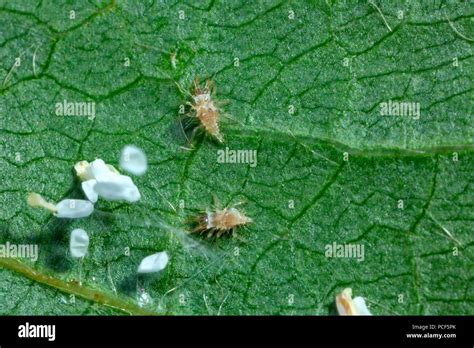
x=181, y=89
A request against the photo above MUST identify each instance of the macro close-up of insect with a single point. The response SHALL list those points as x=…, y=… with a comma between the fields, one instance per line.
x=334, y=137
x=205, y=112
x=206, y=109
x=219, y=221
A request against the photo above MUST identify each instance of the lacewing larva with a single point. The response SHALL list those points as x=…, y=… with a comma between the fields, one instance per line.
x=218, y=221
x=205, y=109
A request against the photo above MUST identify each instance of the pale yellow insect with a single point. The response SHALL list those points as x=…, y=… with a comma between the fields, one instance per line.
x=219, y=221
x=205, y=109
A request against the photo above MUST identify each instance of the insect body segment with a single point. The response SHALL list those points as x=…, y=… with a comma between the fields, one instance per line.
x=221, y=221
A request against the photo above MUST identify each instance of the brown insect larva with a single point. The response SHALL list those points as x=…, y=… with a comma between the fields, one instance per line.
x=206, y=109
x=217, y=222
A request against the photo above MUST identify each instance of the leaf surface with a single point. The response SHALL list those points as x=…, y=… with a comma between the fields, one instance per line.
x=305, y=93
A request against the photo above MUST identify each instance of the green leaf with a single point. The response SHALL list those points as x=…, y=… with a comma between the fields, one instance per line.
x=305, y=93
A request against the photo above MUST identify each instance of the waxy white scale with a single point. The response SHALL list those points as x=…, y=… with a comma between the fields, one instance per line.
x=79, y=243
x=103, y=180
x=133, y=160
x=74, y=208
x=153, y=263
x=116, y=188
x=67, y=208
x=88, y=189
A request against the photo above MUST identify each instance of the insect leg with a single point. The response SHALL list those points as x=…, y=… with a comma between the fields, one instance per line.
x=216, y=201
